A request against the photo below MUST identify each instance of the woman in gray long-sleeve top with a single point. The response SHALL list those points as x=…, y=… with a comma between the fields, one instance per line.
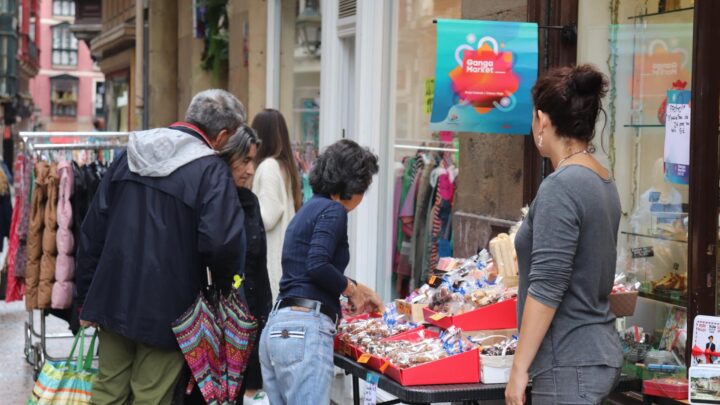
x=566, y=251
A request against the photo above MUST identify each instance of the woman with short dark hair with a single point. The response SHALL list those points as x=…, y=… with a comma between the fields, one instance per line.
x=566, y=249
x=296, y=347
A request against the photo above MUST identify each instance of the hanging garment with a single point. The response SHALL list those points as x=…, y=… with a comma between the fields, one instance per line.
x=419, y=237
x=5, y=205
x=15, y=282
x=402, y=262
x=49, y=241
x=62, y=291
x=14, y=238
x=35, y=235
x=24, y=193
x=78, y=201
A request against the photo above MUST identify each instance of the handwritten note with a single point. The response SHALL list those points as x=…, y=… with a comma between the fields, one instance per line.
x=370, y=397
x=677, y=137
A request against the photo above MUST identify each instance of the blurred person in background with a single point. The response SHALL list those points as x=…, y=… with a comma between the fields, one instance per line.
x=276, y=184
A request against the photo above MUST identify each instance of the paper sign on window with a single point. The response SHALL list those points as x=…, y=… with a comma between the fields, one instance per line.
x=677, y=137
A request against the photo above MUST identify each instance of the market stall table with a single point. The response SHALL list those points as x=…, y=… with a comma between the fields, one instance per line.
x=428, y=394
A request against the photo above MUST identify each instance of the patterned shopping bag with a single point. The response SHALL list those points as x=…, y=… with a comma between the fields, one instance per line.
x=67, y=382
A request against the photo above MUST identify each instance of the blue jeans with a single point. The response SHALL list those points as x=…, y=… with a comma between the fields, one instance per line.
x=296, y=357
x=574, y=385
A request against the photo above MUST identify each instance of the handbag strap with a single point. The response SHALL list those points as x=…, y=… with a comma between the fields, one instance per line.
x=80, y=333
x=87, y=364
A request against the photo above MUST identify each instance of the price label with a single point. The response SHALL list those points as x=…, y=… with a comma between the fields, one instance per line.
x=642, y=252
x=437, y=316
x=384, y=367
x=370, y=397
x=364, y=358
x=434, y=281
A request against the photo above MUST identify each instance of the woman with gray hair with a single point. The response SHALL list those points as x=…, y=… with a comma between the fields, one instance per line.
x=239, y=153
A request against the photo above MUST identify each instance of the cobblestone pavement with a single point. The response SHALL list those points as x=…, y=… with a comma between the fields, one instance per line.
x=16, y=375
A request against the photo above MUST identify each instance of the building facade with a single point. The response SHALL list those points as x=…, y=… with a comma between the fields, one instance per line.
x=359, y=69
x=68, y=91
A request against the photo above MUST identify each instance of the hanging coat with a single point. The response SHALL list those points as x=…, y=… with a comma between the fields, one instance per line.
x=49, y=241
x=35, y=234
x=62, y=291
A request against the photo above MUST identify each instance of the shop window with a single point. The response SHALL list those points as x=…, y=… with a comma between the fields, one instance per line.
x=645, y=49
x=63, y=98
x=117, y=98
x=99, y=99
x=300, y=83
x=418, y=151
x=63, y=8
x=64, y=46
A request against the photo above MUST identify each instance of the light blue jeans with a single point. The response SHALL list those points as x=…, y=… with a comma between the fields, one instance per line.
x=296, y=356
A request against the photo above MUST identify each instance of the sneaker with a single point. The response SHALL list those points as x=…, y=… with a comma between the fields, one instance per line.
x=260, y=398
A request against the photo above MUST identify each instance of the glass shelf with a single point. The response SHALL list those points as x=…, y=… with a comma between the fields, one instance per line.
x=658, y=237
x=657, y=14
x=666, y=298
x=644, y=126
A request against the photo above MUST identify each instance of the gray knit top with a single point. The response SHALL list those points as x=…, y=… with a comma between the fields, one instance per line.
x=566, y=250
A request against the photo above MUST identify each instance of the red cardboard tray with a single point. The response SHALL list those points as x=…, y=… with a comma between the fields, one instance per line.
x=675, y=388
x=458, y=369
x=502, y=315
x=337, y=342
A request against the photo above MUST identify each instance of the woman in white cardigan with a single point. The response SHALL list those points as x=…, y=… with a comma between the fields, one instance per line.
x=277, y=186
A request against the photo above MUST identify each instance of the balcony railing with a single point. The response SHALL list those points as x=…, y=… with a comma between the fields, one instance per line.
x=29, y=51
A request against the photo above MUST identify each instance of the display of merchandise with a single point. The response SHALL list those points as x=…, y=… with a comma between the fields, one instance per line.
x=472, y=284
x=397, y=341
x=674, y=387
x=422, y=209
x=623, y=298
x=52, y=196
x=704, y=385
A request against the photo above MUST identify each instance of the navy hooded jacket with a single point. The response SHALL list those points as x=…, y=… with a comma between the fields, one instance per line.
x=147, y=239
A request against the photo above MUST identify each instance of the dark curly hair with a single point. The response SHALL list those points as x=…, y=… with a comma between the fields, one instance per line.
x=572, y=97
x=344, y=168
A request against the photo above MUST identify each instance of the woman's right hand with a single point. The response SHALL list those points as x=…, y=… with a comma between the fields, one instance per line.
x=364, y=299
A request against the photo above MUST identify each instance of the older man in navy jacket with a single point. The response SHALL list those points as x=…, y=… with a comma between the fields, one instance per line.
x=165, y=211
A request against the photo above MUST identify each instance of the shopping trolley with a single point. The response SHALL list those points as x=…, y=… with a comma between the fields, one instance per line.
x=36, y=348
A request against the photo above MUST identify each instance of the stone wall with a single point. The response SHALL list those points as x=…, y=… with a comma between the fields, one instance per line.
x=490, y=184
x=247, y=58
x=162, y=63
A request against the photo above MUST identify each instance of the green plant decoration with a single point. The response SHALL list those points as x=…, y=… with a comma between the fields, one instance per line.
x=215, y=53
x=612, y=62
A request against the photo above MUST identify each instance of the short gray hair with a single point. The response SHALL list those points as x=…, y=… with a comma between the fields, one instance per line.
x=214, y=110
x=238, y=146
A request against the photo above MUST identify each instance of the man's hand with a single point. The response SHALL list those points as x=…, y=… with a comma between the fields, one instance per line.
x=88, y=324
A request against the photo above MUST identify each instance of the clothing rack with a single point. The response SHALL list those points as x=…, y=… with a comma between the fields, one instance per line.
x=26, y=135
x=78, y=146
x=421, y=147
x=36, y=352
x=30, y=139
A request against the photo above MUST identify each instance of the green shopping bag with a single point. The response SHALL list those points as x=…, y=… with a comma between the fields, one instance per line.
x=67, y=382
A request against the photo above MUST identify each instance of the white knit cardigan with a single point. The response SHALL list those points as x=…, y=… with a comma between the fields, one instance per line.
x=277, y=208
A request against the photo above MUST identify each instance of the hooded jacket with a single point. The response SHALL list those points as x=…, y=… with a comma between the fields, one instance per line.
x=166, y=210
